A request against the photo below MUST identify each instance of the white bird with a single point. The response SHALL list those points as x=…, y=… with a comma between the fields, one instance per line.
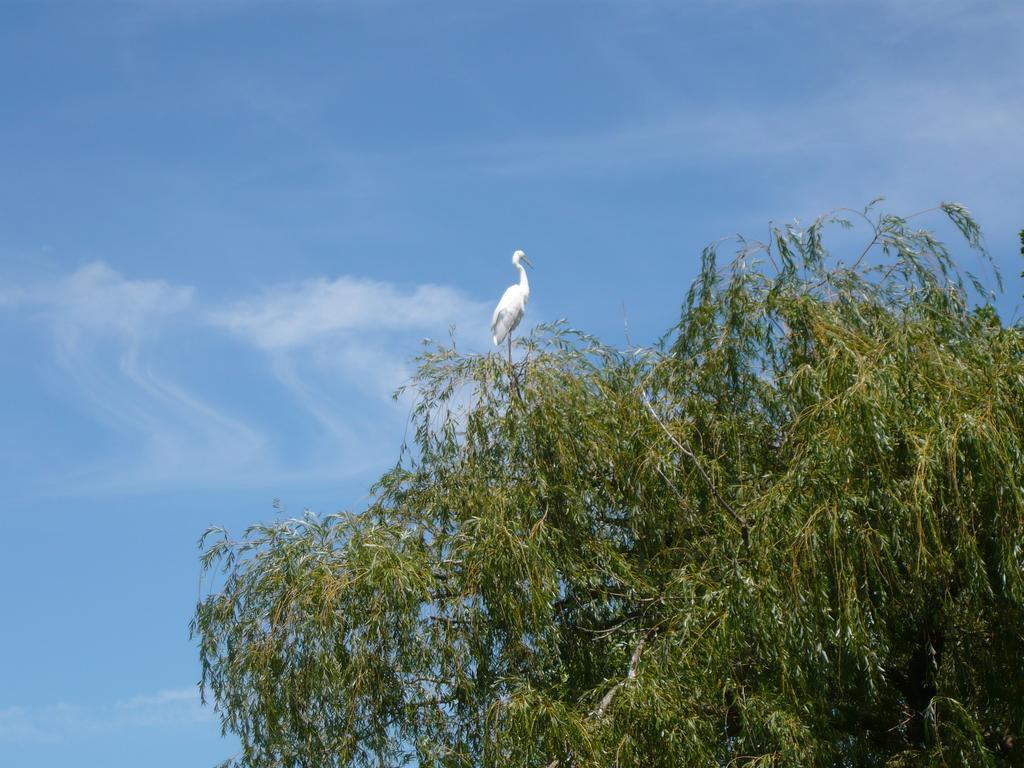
x=510, y=309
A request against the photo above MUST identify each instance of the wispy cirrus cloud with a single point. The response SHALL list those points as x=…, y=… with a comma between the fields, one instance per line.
x=338, y=348
x=893, y=120
x=304, y=313
x=96, y=297
x=178, y=707
x=105, y=330
x=328, y=338
x=910, y=141
x=918, y=12
x=899, y=103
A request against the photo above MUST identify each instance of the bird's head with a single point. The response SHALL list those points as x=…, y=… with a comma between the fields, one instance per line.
x=520, y=256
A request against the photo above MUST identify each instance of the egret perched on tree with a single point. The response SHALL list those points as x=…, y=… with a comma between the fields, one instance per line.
x=510, y=309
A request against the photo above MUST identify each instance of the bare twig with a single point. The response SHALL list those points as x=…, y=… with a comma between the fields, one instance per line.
x=869, y=246
x=877, y=233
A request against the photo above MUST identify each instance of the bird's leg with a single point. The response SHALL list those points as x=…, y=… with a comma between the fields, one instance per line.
x=513, y=383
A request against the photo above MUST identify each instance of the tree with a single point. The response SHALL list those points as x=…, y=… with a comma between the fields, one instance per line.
x=790, y=534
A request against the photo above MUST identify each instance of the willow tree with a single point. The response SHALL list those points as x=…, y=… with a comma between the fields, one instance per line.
x=790, y=534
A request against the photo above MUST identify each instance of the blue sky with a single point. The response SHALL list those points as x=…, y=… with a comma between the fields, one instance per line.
x=226, y=226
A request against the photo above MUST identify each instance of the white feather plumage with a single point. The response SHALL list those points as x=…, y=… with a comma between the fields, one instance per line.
x=512, y=306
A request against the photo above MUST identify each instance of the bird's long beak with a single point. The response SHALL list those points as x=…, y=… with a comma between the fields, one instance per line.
x=526, y=261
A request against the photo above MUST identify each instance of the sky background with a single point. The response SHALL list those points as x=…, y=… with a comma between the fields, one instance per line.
x=225, y=228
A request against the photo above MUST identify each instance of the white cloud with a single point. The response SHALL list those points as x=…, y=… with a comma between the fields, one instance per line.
x=307, y=312
x=337, y=348
x=10, y=297
x=56, y=722
x=327, y=339
x=105, y=329
x=98, y=297
x=916, y=11
x=895, y=117
x=911, y=141
x=962, y=123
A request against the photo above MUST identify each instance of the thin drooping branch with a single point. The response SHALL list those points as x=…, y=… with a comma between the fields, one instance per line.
x=873, y=242
x=704, y=475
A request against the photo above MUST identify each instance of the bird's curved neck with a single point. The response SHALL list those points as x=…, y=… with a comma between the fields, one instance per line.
x=524, y=284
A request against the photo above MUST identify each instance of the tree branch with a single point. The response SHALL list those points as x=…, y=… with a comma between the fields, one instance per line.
x=634, y=661
x=704, y=475
x=606, y=700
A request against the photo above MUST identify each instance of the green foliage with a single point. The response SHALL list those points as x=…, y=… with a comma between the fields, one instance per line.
x=789, y=535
